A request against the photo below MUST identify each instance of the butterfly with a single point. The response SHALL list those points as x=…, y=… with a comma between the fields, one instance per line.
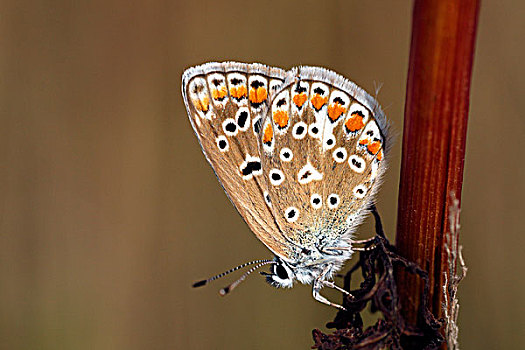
x=299, y=153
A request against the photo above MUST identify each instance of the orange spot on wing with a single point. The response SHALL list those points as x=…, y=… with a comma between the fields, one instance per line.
x=280, y=118
x=219, y=93
x=258, y=95
x=238, y=92
x=335, y=110
x=300, y=99
x=355, y=122
x=380, y=155
x=318, y=101
x=363, y=142
x=268, y=134
x=202, y=105
x=373, y=147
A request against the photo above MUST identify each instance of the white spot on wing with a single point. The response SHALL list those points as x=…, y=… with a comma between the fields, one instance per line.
x=308, y=174
x=291, y=214
x=222, y=143
x=339, y=154
x=268, y=146
x=359, y=191
x=369, y=135
x=281, y=105
x=229, y=126
x=314, y=131
x=286, y=154
x=358, y=109
x=274, y=86
x=351, y=219
x=333, y=201
x=276, y=177
x=267, y=198
x=248, y=173
x=329, y=142
x=263, y=84
x=342, y=100
x=296, y=90
x=357, y=163
x=295, y=131
x=198, y=93
x=316, y=201
x=375, y=169
x=218, y=88
x=240, y=80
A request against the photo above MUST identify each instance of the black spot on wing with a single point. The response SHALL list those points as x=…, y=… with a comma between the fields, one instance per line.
x=251, y=167
x=256, y=84
x=299, y=89
x=319, y=91
x=231, y=127
x=257, y=126
x=256, y=104
x=339, y=100
x=243, y=117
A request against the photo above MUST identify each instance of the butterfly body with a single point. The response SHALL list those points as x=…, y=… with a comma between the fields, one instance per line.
x=300, y=154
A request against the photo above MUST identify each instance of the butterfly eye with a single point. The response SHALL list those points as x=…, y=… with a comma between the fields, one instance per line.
x=281, y=272
x=333, y=201
x=281, y=276
x=356, y=163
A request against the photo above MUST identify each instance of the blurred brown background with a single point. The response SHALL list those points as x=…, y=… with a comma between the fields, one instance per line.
x=109, y=211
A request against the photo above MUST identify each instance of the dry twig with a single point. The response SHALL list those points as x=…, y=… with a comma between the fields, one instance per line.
x=452, y=277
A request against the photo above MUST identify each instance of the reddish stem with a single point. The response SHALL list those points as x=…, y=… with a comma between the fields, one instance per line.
x=434, y=135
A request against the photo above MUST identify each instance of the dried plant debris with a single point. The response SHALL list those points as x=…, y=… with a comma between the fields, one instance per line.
x=379, y=289
x=457, y=270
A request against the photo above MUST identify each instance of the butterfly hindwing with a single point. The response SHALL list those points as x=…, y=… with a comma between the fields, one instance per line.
x=326, y=158
x=226, y=104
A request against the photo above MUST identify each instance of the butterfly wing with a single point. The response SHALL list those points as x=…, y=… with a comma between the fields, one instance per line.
x=226, y=103
x=325, y=158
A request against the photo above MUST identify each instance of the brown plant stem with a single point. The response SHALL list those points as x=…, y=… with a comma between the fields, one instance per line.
x=434, y=135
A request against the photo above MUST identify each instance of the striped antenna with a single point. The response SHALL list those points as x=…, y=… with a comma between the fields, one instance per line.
x=229, y=288
x=204, y=282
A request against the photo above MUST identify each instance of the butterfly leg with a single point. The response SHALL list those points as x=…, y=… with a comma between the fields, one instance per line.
x=364, y=241
x=330, y=284
x=319, y=283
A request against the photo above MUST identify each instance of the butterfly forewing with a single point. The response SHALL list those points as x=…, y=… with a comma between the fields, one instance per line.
x=226, y=104
x=326, y=154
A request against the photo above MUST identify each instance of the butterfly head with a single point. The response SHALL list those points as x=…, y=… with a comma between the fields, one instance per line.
x=281, y=274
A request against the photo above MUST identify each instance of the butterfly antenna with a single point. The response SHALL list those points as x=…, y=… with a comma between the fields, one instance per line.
x=204, y=282
x=232, y=286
